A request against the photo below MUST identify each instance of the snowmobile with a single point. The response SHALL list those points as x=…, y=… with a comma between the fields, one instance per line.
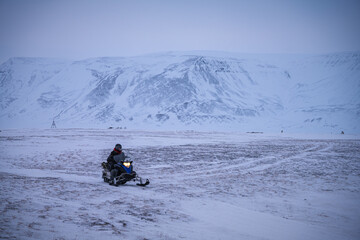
x=128, y=175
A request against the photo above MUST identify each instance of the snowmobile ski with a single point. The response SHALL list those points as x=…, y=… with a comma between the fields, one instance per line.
x=143, y=184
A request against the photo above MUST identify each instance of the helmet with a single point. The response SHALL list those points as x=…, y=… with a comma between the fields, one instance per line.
x=118, y=147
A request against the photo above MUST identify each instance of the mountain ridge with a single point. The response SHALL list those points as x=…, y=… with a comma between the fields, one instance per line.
x=185, y=91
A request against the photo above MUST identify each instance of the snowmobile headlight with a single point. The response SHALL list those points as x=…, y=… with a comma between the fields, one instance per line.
x=127, y=164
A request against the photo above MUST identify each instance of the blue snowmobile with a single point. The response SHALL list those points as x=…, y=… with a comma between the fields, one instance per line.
x=125, y=174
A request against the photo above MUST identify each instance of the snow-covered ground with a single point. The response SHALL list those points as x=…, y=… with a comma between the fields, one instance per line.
x=204, y=185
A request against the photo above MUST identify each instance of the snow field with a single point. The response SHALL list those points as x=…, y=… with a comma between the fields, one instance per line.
x=204, y=185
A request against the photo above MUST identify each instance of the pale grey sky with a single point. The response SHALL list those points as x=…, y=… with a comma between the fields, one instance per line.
x=92, y=28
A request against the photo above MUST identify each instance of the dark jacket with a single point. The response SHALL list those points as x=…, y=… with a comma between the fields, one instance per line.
x=120, y=156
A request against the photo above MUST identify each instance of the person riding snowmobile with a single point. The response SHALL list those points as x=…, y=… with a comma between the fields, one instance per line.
x=115, y=157
x=117, y=170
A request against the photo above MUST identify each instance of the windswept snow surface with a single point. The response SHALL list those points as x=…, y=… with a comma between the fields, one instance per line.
x=204, y=185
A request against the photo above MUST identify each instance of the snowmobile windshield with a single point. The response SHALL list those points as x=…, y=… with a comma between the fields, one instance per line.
x=118, y=158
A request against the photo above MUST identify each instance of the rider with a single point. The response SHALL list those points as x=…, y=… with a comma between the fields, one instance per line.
x=115, y=157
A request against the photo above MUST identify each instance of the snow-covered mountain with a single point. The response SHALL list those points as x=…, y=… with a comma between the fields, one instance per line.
x=191, y=90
